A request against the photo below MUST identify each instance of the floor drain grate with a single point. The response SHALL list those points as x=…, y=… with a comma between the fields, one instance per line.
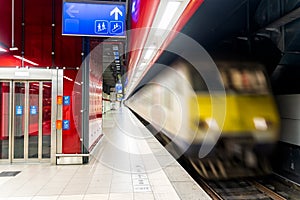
x=9, y=173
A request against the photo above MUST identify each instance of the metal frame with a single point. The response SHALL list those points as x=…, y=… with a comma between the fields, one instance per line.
x=40, y=139
x=9, y=117
x=12, y=123
x=56, y=136
x=28, y=75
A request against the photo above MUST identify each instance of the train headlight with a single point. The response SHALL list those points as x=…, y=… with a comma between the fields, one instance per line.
x=212, y=124
x=208, y=123
x=260, y=123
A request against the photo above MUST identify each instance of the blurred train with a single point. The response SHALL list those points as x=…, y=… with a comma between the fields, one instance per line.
x=211, y=127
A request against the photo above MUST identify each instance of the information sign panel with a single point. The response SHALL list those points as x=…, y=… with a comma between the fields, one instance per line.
x=66, y=125
x=19, y=110
x=103, y=19
x=66, y=100
x=33, y=110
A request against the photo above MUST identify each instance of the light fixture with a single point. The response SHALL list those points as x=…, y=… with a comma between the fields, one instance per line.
x=212, y=124
x=26, y=60
x=13, y=48
x=149, y=52
x=2, y=49
x=272, y=29
x=169, y=12
x=138, y=74
x=69, y=79
x=142, y=65
x=260, y=123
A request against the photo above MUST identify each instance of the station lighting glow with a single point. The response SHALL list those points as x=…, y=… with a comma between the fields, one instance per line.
x=139, y=73
x=167, y=14
x=26, y=60
x=171, y=9
x=142, y=65
x=69, y=79
x=2, y=49
x=149, y=53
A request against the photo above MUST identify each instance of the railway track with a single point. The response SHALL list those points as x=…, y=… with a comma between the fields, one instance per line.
x=258, y=187
x=270, y=187
x=239, y=190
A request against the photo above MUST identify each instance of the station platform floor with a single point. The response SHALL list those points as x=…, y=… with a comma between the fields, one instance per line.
x=128, y=163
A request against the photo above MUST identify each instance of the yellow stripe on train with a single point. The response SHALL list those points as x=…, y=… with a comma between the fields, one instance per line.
x=236, y=115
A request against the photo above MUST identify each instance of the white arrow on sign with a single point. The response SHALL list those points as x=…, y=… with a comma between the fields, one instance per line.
x=116, y=11
x=70, y=12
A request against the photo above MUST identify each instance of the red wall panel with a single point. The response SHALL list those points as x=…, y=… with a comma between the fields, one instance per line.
x=38, y=33
x=5, y=22
x=37, y=41
x=67, y=48
x=71, y=137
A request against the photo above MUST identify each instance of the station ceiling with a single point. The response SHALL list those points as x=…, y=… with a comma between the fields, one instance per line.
x=216, y=22
x=265, y=29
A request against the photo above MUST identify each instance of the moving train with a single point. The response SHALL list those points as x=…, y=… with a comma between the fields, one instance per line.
x=216, y=129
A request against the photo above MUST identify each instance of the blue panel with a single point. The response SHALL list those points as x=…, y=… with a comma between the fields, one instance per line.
x=66, y=124
x=66, y=100
x=33, y=110
x=93, y=19
x=119, y=88
x=19, y=110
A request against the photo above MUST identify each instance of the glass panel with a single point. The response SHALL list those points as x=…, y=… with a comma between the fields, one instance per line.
x=19, y=119
x=47, y=99
x=4, y=119
x=33, y=123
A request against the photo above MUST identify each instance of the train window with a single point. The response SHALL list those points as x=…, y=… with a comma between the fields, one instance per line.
x=224, y=79
x=248, y=80
x=236, y=79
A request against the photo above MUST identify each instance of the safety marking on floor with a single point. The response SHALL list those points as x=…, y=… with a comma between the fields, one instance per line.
x=140, y=180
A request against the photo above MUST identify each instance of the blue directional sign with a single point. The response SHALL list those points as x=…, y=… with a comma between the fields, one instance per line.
x=33, y=110
x=66, y=124
x=66, y=100
x=103, y=19
x=119, y=88
x=19, y=110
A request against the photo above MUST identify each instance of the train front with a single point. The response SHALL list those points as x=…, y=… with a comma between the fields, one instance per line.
x=243, y=138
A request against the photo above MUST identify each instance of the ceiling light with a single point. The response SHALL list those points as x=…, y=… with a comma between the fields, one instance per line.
x=26, y=60
x=2, y=49
x=149, y=53
x=13, y=48
x=138, y=74
x=69, y=79
x=272, y=29
x=142, y=66
x=169, y=12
